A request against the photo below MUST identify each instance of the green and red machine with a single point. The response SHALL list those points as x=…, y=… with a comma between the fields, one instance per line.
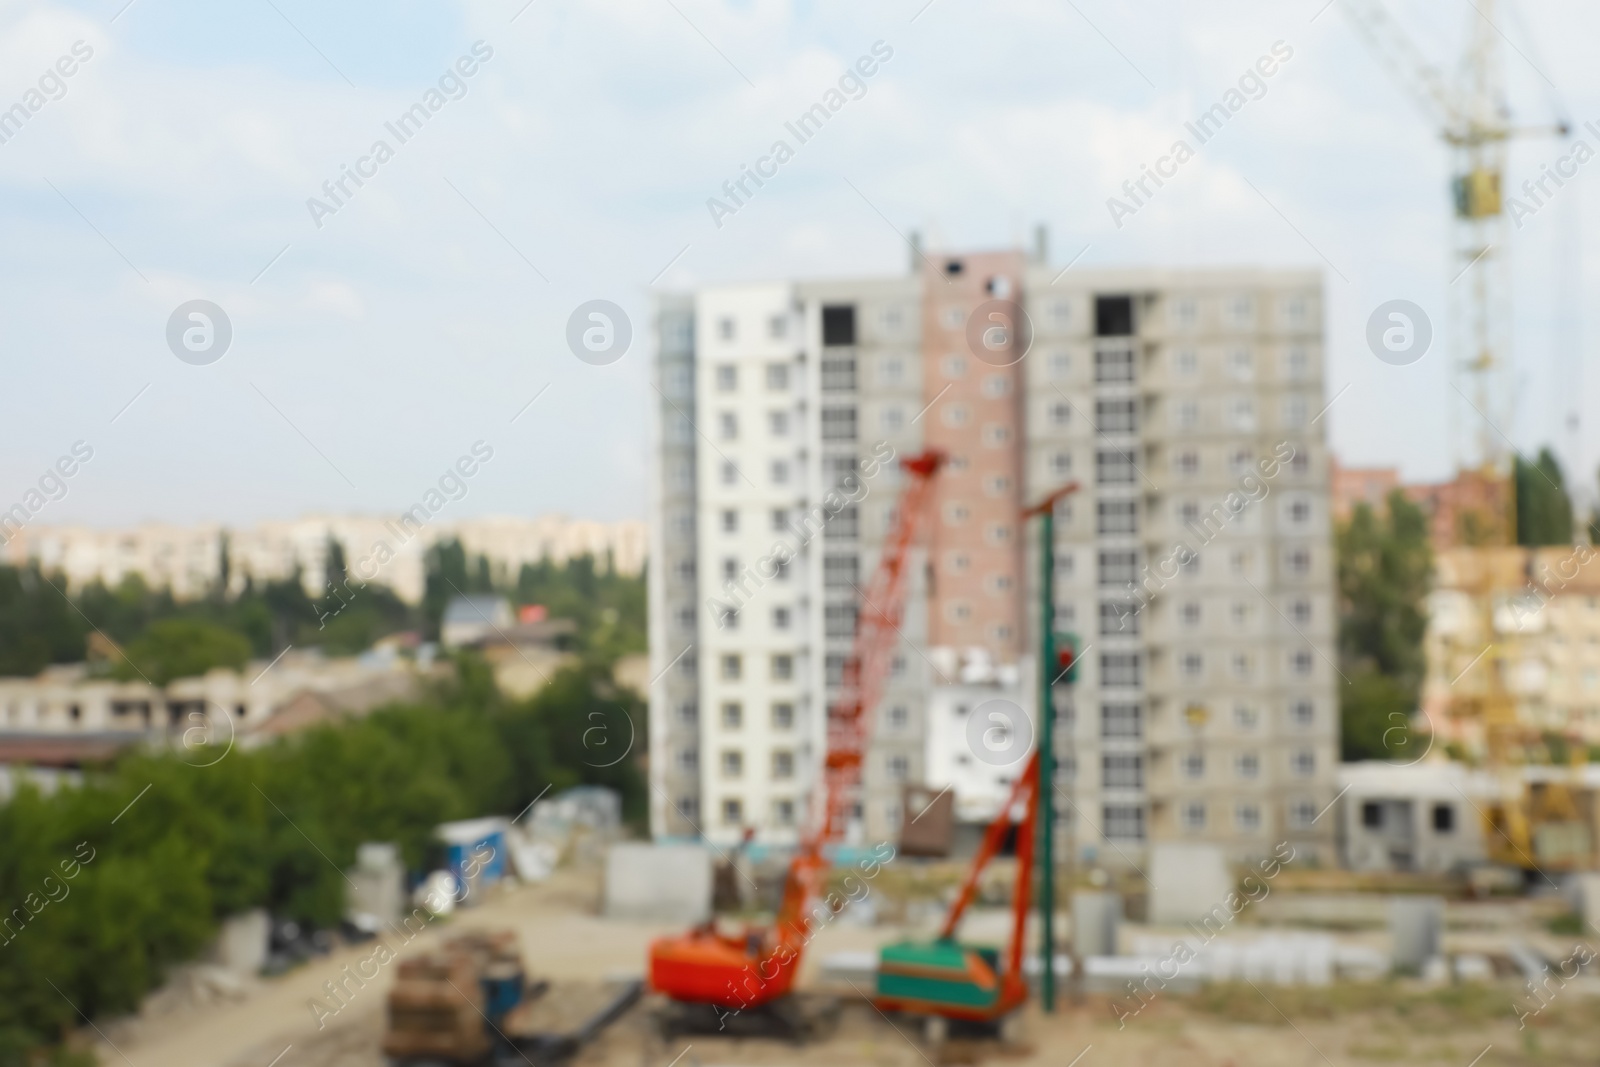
x=978, y=983
x=945, y=978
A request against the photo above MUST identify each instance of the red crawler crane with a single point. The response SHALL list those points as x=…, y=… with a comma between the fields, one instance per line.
x=758, y=965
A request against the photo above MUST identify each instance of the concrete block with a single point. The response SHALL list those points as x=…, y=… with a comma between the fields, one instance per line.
x=1096, y=915
x=669, y=883
x=1187, y=882
x=1319, y=956
x=1114, y=974
x=1474, y=967
x=242, y=942
x=1588, y=894
x=1360, y=963
x=1416, y=925
x=858, y=967
x=376, y=888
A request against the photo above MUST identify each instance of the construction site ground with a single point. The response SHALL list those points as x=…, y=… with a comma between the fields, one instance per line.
x=270, y=1023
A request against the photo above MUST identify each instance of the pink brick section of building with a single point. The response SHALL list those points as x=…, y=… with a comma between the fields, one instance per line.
x=974, y=395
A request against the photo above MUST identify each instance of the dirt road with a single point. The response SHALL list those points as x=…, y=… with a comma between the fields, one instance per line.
x=565, y=941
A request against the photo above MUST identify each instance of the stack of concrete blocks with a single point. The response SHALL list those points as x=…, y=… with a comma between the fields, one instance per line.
x=1274, y=959
x=1293, y=959
x=375, y=896
x=1416, y=925
x=1188, y=882
x=664, y=883
x=1096, y=915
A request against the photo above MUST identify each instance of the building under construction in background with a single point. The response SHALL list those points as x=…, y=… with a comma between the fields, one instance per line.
x=1195, y=564
x=1513, y=685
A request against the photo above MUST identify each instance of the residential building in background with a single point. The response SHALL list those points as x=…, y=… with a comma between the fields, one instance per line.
x=188, y=560
x=66, y=717
x=1473, y=508
x=1195, y=561
x=1351, y=486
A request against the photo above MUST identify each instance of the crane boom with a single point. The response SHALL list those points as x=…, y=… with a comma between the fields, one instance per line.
x=1396, y=50
x=708, y=967
x=861, y=687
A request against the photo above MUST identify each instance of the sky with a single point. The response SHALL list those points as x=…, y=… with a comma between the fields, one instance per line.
x=378, y=337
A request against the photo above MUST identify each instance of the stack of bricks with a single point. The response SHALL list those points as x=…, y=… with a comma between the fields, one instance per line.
x=437, y=1007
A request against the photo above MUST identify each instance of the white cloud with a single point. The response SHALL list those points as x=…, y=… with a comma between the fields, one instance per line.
x=590, y=143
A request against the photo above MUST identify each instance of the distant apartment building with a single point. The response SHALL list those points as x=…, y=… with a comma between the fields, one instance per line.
x=1473, y=508
x=188, y=560
x=1194, y=563
x=1350, y=487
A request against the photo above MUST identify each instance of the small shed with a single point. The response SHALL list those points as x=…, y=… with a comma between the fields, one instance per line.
x=475, y=851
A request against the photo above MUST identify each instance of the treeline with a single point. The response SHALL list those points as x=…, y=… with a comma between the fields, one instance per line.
x=163, y=638
x=105, y=887
x=608, y=607
x=1385, y=568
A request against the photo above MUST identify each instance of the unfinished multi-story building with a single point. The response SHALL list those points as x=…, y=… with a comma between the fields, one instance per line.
x=1194, y=563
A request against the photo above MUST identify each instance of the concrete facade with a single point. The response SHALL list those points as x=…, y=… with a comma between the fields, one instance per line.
x=1195, y=563
x=1514, y=638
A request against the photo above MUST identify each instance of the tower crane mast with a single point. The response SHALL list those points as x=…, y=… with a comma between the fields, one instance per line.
x=1473, y=118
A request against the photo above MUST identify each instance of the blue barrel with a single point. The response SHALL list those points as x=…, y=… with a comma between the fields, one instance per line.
x=502, y=990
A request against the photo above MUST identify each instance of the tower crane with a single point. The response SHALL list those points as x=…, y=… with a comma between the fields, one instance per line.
x=1474, y=120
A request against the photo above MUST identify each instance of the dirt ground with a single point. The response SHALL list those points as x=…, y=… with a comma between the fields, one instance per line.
x=583, y=955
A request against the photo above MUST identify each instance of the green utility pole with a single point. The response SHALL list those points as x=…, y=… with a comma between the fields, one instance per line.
x=1047, y=758
x=1046, y=511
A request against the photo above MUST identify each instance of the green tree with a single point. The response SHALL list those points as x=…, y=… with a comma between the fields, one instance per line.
x=1384, y=567
x=1544, y=510
x=38, y=625
x=448, y=575
x=181, y=648
x=336, y=570
x=224, y=564
x=1594, y=522
x=608, y=607
x=1374, y=713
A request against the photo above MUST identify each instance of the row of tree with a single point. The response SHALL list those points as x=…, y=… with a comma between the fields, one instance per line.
x=104, y=887
x=144, y=632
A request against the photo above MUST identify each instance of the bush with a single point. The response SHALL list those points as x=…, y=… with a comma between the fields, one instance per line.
x=181, y=648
